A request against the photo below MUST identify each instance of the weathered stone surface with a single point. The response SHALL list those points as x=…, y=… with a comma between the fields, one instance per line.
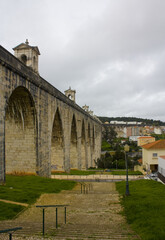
x=40, y=128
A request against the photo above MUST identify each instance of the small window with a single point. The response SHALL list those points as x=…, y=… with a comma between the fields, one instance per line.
x=154, y=154
x=24, y=58
x=34, y=61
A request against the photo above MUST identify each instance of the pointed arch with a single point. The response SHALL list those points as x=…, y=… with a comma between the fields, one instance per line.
x=21, y=133
x=83, y=147
x=57, y=144
x=93, y=147
x=73, y=145
x=24, y=59
x=89, y=147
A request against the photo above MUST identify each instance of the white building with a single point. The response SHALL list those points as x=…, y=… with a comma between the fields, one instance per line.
x=161, y=168
x=118, y=122
x=133, y=138
x=157, y=130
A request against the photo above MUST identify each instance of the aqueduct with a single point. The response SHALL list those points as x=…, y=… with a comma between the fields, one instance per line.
x=41, y=129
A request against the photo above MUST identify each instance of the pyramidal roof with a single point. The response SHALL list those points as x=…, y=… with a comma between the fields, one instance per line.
x=160, y=144
x=26, y=45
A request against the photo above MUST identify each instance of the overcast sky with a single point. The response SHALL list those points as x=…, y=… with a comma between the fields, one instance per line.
x=112, y=52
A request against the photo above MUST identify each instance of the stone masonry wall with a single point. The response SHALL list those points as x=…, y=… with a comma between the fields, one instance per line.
x=31, y=148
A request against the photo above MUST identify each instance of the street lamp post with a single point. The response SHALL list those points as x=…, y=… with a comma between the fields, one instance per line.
x=126, y=149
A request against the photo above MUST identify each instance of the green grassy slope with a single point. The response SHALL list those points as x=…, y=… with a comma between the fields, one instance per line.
x=145, y=208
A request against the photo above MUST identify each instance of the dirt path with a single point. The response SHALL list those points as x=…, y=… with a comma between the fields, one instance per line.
x=16, y=203
x=95, y=215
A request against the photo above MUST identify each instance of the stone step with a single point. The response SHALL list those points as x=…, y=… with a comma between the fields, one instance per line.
x=37, y=237
x=69, y=229
x=89, y=216
x=114, y=236
x=64, y=233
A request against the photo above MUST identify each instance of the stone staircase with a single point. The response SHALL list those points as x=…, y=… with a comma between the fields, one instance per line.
x=89, y=231
x=74, y=232
x=95, y=215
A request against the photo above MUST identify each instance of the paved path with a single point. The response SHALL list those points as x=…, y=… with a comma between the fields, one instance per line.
x=97, y=177
x=16, y=203
x=95, y=215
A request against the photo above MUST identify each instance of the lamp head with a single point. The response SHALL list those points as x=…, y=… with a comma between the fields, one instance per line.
x=126, y=148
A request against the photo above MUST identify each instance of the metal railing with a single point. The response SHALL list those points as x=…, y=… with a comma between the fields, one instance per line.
x=85, y=187
x=43, y=214
x=10, y=231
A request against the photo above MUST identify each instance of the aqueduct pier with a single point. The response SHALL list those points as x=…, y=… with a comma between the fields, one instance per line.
x=41, y=130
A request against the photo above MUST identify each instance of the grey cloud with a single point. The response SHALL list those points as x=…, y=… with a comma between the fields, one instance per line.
x=112, y=52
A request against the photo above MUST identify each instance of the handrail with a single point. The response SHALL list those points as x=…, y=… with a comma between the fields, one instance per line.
x=43, y=214
x=45, y=206
x=85, y=188
x=10, y=231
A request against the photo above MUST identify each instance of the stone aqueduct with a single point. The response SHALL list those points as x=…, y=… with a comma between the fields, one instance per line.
x=40, y=128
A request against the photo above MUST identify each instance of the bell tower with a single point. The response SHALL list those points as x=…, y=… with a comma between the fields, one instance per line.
x=28, y=55
x=71, y=94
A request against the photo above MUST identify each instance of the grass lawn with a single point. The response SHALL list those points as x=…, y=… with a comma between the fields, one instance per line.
x=145, y=208
x=124, y=172
x=27, y=189
x=88, y=172
x=76, y=172
x=8, y=211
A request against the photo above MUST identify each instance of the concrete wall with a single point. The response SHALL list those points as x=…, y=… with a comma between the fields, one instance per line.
x=40, y=128
x=161, y=165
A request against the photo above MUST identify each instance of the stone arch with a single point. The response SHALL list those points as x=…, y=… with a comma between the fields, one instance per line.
x=34, y=62
x=69, y=96
x=57, y=144
x=24, y=59
x=83, y=147
x=93, y=147
x=89, y=146
x=21, y=133
x=73, y=145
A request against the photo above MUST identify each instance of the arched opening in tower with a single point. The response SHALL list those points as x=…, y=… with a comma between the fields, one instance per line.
x=57, y=144
x=24, y=58
x=34, y=63
x=83, y=152
x=20, y=133
x=73, y=145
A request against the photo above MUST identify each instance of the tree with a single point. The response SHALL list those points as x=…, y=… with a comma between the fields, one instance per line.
x=112, y=134
x=109, y=134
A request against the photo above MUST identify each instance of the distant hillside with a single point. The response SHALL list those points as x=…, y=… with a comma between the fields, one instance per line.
x=149, y=122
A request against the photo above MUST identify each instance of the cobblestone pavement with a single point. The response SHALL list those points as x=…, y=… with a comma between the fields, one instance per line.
x=95, y=215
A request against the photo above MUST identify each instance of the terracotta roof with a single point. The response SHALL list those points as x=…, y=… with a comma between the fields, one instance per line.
x=162, y=157
x=145, y=137
x=140, y=160
x=160, y=144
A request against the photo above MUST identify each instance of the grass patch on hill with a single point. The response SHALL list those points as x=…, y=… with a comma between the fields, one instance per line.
x=145, y=208
x=26, y=189
x=9, y=211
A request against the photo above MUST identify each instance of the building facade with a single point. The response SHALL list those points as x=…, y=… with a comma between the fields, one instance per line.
x=150, y=154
